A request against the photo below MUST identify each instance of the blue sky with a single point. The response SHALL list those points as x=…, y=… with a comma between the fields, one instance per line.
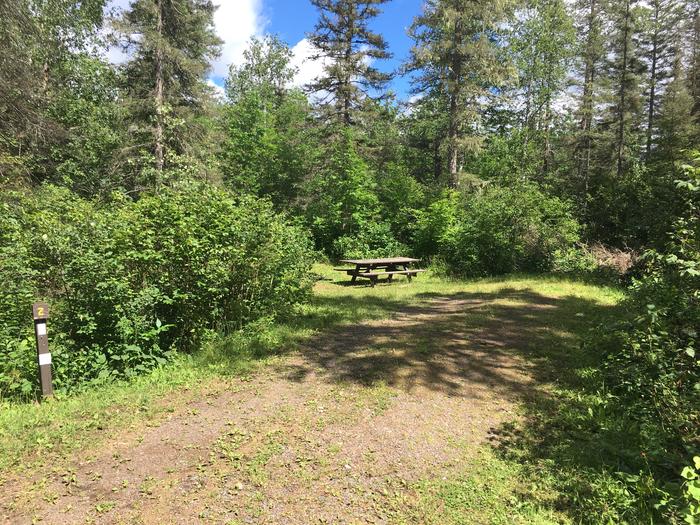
x=236, y=21
x=293, y=19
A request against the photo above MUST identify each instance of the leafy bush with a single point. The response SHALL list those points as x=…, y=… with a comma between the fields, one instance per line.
x=375, y=240
x=341, y=199
x=131, y=282
x=435, y=222
x=653, y=364
x=497, y=231
x=402, y=199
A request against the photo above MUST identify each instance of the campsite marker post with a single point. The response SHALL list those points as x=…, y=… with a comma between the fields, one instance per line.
x=40, y=312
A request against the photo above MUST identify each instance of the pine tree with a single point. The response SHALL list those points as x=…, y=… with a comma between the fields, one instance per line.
x=172, y=43
x=592, y=49
x=343, y=41
x=623, y=77
x=675, y=121
x=456, y=53
x=664, y=20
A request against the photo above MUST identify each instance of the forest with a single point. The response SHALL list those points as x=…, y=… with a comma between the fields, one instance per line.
x=551, y=138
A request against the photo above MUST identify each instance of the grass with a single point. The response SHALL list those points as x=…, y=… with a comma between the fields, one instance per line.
x=540, y=473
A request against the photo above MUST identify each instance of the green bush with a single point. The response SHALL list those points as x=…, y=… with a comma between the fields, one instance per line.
x=375, y=240
x=653, y=360
x=131, y=282
x=341, y=198
x=498, y=230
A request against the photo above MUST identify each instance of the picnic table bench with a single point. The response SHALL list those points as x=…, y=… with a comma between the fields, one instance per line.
x=372, y=269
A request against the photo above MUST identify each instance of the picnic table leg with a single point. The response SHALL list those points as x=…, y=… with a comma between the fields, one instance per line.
x=405, y=269
x=358, y=271
x=391, y=269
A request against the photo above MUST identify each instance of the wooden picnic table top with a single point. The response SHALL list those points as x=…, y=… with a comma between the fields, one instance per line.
x=389, y=260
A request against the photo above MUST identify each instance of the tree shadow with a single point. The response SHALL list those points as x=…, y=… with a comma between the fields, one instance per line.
x=462, y=344
x=516, y=343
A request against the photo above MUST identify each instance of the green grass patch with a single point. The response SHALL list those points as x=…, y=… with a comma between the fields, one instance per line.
x=491, y=491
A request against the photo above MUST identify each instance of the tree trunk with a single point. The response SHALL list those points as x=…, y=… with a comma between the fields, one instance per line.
x=587, y=103
x=159, y=97
x=437, y=168
x=347, y=88
x=452, y=145
x=454, y=90
x=623, y=90
x=694, y=76
x=652, y=87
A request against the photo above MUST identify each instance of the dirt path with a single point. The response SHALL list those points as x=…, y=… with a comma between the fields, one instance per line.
x=332, y=434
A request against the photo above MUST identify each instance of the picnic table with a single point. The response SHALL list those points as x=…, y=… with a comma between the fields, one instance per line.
x=372, y=269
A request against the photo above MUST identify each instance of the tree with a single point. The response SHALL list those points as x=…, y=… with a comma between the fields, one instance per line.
x=542, y=46
x=171, y=43
x=624, y=69
x=38, y=41
x=268, y=145
x=591, y=43
x=348, y=48
x=456, y=54
x=694, y=59
x=266, y=69
x=675, y=121
x=664, y=20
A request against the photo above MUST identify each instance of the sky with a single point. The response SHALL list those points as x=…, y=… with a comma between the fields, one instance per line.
x=238, y=20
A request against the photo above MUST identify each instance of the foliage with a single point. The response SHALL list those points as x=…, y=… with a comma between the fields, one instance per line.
x=341, y=198
x=691, y=492
x=653, y=359
x=131, y=282
x=375, y=240
x=499, y=230
x=170, y=47
x=456, y=57
x=349, y=48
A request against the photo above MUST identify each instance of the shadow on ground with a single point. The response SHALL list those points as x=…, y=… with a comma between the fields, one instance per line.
x=457, y=344
x=512, y=342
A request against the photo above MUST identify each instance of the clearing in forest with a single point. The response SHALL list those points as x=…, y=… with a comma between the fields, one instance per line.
x=388, y=405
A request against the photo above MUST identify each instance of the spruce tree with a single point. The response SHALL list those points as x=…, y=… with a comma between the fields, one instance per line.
x=171, y=43
x=663, y=22
x=343, y=40
x=457, y=53
x=676, y=126
x=624, y=69
x=592, y=49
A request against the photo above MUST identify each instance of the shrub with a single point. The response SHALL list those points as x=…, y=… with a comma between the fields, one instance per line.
x=341, y=198
x=131, y=282
x=499, y=230
x=653, y=364
x=434, y=222
x=375, y=240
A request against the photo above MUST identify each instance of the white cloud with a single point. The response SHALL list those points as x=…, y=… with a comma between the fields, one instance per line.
x=236, y=21
x=308, y=68
x=219, y=91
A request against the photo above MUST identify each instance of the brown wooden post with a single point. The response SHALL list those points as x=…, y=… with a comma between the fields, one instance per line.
x=40, y=312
